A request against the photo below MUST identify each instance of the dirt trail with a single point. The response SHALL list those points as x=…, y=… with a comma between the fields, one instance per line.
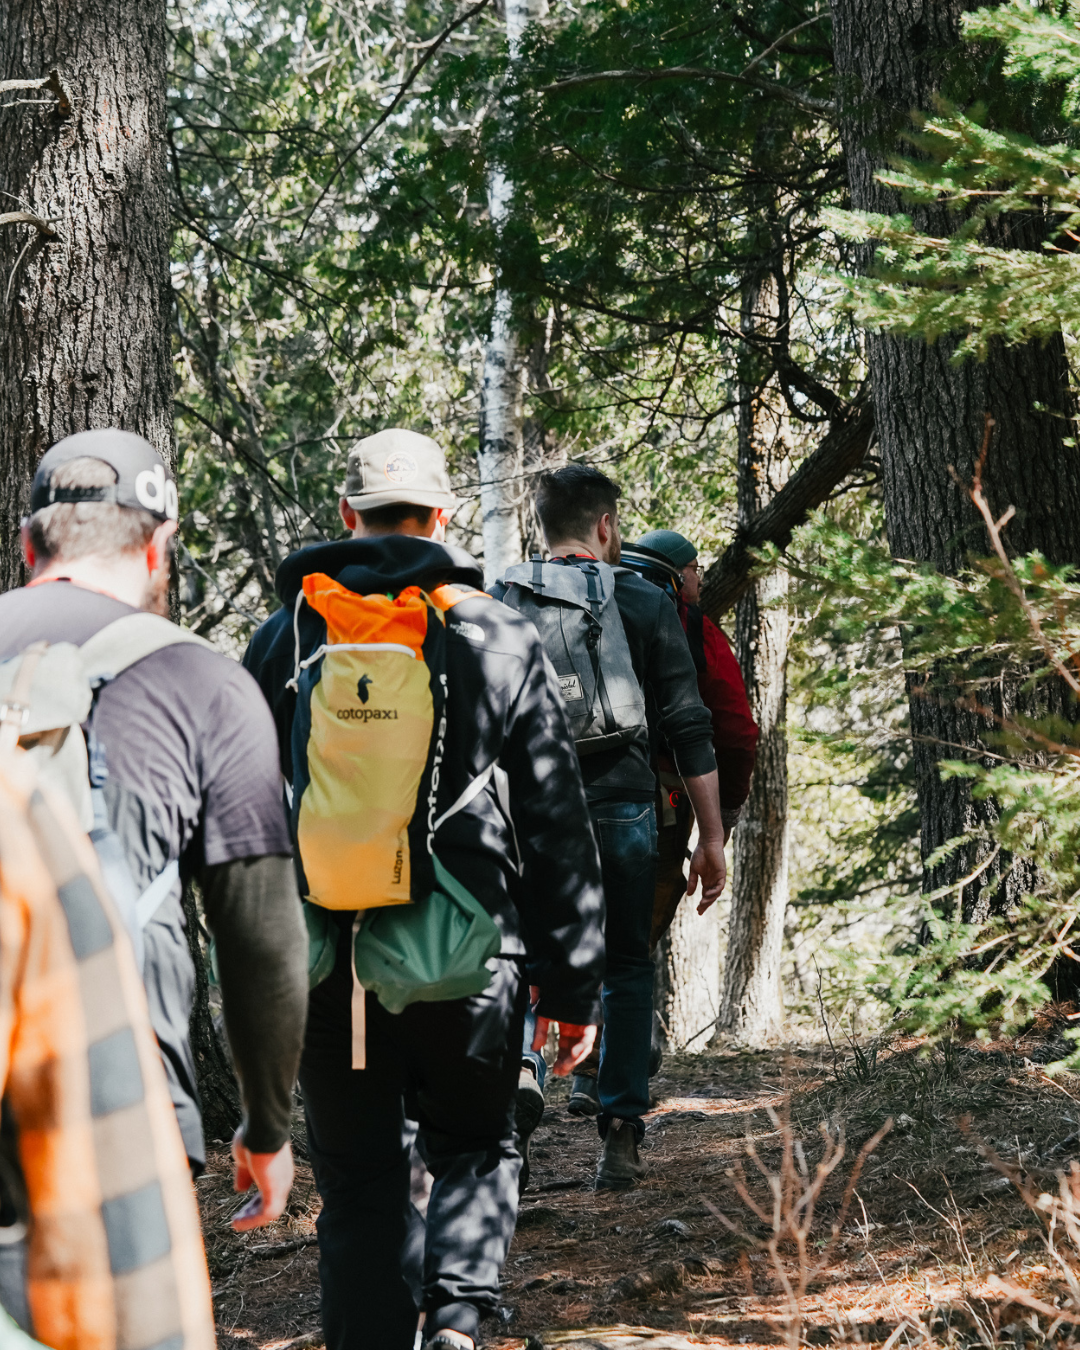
x=930, y=1226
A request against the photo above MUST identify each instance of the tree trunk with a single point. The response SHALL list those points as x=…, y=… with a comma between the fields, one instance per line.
x=219, y=1093
x=751, y=1005
x=893, y=57
x=84, y=332
x=686, y=992
x=500, y=458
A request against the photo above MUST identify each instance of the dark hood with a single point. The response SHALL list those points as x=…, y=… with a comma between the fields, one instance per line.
x=389, y=562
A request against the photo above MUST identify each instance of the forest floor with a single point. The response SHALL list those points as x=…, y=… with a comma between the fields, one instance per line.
x=935, y=1246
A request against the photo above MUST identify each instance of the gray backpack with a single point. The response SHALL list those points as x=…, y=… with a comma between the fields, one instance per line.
x=46, y=695
x=572, y=606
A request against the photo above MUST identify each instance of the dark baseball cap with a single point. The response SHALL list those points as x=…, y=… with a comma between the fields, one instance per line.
x=674, y=548
x=143, y=481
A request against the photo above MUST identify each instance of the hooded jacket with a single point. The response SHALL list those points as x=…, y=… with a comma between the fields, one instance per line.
x=504, y=704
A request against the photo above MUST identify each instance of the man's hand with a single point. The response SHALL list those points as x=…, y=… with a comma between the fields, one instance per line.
x=575, y=1044
x=710, y=865
x=272, y=1173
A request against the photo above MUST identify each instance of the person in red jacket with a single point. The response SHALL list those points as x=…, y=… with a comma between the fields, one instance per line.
x=670, y=561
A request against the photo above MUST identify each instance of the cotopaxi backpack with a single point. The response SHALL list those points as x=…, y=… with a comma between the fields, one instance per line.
x=572, y=606
x=368, y=742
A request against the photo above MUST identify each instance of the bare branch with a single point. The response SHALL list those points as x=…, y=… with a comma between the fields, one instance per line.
x=994, y=529
x=778, y=44
x=406, y=84
x=51, y=83
x=28, y=218
x=817, y=107
x=841, y=452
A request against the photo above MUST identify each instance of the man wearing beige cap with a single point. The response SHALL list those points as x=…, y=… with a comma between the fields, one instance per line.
x=509, y=824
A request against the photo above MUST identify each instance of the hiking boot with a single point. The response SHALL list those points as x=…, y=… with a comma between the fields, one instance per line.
x=620, y=1165
x=528, y=1112
x=451, y=1340
x=584, y=1096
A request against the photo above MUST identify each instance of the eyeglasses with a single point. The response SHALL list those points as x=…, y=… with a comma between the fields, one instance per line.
x=693, y=567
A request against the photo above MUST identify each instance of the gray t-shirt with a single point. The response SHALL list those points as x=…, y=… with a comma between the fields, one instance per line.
x=186, y=731
x=193, y=775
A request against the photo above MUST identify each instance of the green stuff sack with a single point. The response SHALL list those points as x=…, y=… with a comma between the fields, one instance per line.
x=433, y=950
x=322, y=944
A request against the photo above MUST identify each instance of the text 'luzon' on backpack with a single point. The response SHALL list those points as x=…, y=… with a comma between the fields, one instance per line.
x=572, y=606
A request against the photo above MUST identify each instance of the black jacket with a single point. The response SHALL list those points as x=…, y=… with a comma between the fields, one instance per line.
x=665, y=669
x=504, y=704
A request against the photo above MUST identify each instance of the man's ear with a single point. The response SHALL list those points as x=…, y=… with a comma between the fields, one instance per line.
x=27, y=547
x=157, y=550
x=348, y=515
x=603, y=527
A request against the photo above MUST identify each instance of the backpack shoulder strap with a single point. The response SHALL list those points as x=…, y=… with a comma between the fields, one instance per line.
x=125, y=641
x=446, y=597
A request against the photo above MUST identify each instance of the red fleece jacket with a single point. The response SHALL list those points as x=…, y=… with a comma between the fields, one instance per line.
x=735, y=733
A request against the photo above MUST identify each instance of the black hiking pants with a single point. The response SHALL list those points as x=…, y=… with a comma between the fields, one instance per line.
x=453, y=1068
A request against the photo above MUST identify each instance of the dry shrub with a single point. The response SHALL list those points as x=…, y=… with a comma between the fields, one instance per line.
x=789, y=1212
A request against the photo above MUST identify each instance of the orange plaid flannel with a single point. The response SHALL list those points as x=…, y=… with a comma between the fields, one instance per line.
x=115, y=1253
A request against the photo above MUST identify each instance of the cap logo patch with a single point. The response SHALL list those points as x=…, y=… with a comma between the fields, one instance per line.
x=401, y=467
x=157, y=493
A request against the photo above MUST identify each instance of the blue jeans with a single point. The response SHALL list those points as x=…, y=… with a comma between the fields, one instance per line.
x=529, y=1056
x=626, y=835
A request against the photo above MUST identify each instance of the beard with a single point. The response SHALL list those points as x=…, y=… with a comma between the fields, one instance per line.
x=156, y=597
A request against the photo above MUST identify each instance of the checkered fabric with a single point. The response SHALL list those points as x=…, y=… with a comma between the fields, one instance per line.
x=115, y=1252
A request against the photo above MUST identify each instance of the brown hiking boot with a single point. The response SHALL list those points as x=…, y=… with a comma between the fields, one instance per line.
x=620, y=1165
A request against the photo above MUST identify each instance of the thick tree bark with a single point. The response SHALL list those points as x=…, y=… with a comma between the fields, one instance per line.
x=84, y=332
x=751, y=1003
x=218, y=1090
x=893, y=57
x=502, y=392
x=686, y=992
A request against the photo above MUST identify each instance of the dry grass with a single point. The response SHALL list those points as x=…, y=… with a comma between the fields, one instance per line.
x=937, y=1245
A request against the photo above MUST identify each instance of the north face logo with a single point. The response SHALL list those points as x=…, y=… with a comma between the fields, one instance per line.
x=362, y=687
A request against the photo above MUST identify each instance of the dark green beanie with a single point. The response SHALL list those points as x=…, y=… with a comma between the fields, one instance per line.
x=675, y=547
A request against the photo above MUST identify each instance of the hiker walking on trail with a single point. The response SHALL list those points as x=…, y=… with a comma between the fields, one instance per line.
x=178, y=777
x=442, y=833
x=611, y=637
x=114, y=1256
x=670, y=561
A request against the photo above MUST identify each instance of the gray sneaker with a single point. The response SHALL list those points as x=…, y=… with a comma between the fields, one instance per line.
x=620, y=1164
x=584, y=1096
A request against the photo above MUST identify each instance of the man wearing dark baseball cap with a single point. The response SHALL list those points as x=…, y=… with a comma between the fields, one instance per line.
x=669, y=560
x=191, y=784
x=143, y=482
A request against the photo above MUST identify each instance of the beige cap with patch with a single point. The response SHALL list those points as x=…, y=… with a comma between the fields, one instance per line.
x=397, y=466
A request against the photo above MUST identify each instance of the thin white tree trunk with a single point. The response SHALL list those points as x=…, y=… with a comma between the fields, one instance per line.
x=502, y=392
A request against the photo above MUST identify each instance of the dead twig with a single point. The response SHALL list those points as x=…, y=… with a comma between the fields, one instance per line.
x=28, y=218
x=51, y=84
x=790, y=1218
x=994, y=529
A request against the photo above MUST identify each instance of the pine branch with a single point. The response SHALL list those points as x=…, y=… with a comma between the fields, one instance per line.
x=817, y=107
